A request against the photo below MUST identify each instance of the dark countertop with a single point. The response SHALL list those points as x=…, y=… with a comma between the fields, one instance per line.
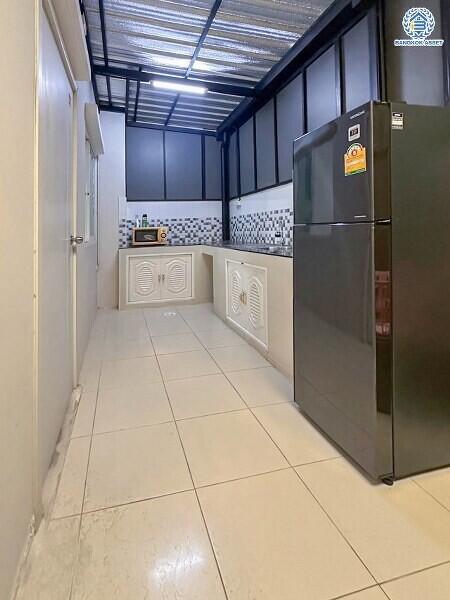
x=270, y=249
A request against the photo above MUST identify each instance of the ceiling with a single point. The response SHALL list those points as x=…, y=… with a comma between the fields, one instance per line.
x=226, y=45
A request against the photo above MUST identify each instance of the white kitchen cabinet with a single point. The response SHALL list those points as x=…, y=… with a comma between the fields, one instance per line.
x=155, y=278
x=247, y=299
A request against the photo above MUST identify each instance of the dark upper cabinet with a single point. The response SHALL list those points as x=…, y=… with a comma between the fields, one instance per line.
x=321, y=80
x=290, y=125
x=213, y=168
x=247, y=157
x=359, y=66
x=183, y=166
x=144, y=164
x=232, y=165
x=265, y=146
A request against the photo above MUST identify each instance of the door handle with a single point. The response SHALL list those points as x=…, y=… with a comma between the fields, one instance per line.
x=76, y=239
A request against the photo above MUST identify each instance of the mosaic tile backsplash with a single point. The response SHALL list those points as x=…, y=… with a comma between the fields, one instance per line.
x=195, y=230
x=262, y=227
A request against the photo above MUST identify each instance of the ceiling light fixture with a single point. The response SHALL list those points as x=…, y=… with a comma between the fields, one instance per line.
x=179, y=87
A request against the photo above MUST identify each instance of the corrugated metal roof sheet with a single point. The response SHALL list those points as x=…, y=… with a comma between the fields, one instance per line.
x=239, y=46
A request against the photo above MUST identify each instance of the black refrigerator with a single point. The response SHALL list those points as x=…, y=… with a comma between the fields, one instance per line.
x=372, y=285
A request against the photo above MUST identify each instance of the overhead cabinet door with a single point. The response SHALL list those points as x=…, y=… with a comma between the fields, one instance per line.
x=265, y=146
x=321, y=90
x=359, y=66
x=144, y=279
x=290, y=125
x=213, y=168
x=233, y=165
x=183, y=166
x=145, y=164
x=247, y=157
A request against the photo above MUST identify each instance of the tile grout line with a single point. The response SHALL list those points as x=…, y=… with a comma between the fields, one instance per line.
x=336, y=527
x=429, y=494
x=77, y=559
x=192, y=479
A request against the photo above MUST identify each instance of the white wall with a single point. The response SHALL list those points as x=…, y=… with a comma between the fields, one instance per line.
x=111, y=186
x=17, y=34
x=87, y=252
x=171, y=209
x=272, y=199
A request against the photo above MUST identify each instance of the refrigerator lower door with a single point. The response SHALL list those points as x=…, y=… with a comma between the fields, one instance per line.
x=342, y=337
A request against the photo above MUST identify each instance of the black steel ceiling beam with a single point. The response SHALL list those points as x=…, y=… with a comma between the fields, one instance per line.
x=101, y=8
x=172, y=108
x=136, y=103
x=337, y=16
x=203, y=35
x=89, y=49
x=172, y=128
x=127, y=99
x=143, y=76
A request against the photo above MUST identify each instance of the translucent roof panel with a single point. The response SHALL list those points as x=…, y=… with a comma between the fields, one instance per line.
x=228, y=42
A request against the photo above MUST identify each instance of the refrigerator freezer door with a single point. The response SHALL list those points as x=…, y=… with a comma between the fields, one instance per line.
x=333, y=169
x=342, y=331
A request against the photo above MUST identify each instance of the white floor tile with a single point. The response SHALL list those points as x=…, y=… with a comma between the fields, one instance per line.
x=394, y=530
x=155, y=550
x=128, y=408
x=168, y=322
x=90, y=375
x=436, y=483
x=220, y=338
x=262, y=386
x=84, y=419
x=135, y=464
x=187, y=364
x=228, y=446
x=122, y=349
x=201, y=396
x=205, y=322
x=129, y=372
x=177, y=342
x=238, y=358
x=50, y=565
x=273, y=541
x=299, y=441
x=374, y=593
x=432, y=584
x=69, y=497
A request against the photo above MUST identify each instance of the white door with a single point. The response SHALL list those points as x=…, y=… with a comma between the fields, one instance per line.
x=144, y=277
x=54, y=276
x=176, y=276
x=255, y=301
x=235, y=293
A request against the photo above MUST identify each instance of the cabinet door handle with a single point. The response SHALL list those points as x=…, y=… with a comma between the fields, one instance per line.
x=159, y=277
x=163, y=277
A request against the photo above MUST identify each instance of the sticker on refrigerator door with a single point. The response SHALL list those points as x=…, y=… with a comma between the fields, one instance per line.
x=354, y=132
x=355, y=160
x=397, y=120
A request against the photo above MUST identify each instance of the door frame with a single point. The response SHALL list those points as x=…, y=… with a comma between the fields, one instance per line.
x=46, y=10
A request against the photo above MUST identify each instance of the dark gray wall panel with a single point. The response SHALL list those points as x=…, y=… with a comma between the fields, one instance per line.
x=358, y=65
x=290, y=124
x=265, y=145
x=321, y=101
x=247, y=157
x=414, y=75
x=144, y=164
x=233, y=170
x=213, y=169
x=183, y=166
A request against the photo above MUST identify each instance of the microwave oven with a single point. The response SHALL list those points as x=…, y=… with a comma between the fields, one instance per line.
x=149, y=236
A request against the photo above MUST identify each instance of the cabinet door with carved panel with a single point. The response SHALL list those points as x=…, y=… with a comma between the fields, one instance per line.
x=176, y=277
x=143, y=279
x=235, y=292
x=255, y=301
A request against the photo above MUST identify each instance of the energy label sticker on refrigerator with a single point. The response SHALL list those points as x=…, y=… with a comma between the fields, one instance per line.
x=355, y=160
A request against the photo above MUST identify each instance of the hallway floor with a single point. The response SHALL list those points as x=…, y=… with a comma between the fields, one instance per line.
x=191, y=475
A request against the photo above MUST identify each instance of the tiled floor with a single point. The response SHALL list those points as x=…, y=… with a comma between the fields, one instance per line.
x=191, y=475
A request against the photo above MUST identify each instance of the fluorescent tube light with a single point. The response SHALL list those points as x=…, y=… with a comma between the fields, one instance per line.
x=179, y=87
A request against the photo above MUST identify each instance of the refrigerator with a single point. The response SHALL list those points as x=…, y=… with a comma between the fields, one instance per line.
x=372, y=286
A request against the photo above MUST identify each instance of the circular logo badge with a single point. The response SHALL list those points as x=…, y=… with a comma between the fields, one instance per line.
x=419, y=23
